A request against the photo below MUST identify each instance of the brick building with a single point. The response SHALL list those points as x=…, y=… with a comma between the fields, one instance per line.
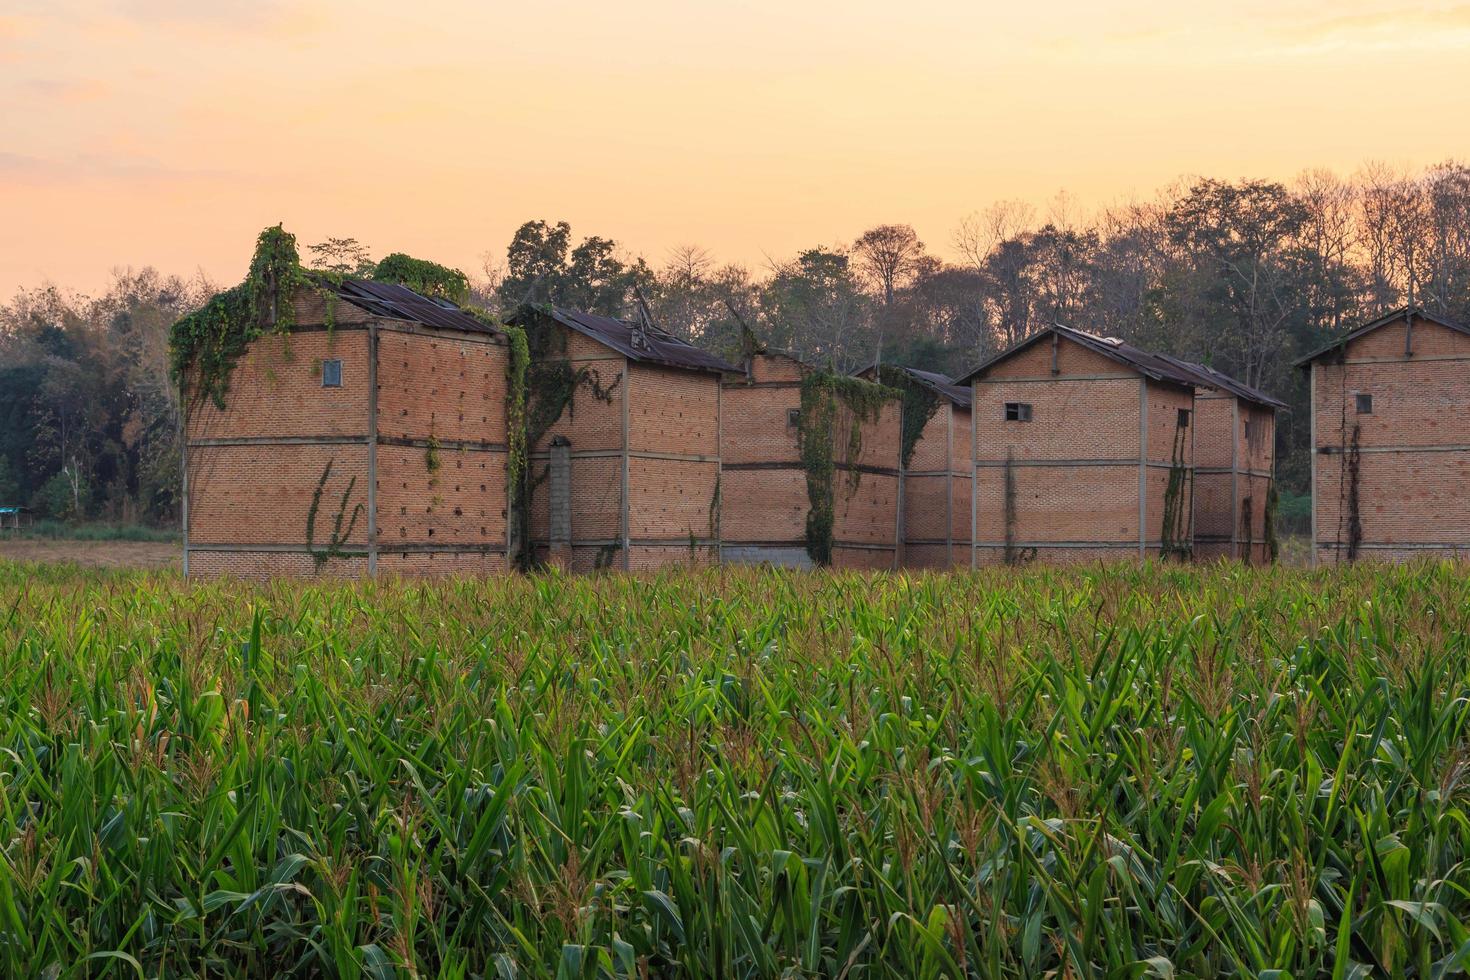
x=1391, y=440
x=368, y=440
x=1084, y=450
x=1234, y=466
x=935, y=524
x=764, y=497
x=625, y=462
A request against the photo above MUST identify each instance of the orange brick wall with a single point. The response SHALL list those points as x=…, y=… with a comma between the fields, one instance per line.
x=669, y=413
x=276, y=387
x=1076, y=464
x=1233, y=478
x=936, y=492
x=1414, y=449
x=253, y=468
x=763, y=509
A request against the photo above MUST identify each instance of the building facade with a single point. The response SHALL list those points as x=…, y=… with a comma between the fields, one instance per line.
x=1235, y=467
x=1084, y=451
x=936, y=469
x=369, y=440
x=625, y=460
x=1391, y=440
x=764, y=489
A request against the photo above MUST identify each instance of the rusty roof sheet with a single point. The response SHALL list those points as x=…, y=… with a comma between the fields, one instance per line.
x=941, y=384
x=655, y=346
x=1148, y=364
x=389, y=299
x=1220, y=381
x=1160, y=367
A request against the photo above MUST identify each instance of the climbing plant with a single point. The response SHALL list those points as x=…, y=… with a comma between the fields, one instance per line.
x=424, y=277
x=204, y=346
x=1177, y=538
x=919, y=405
x=1273, y=501
x=339, y=534
x=548, y=386
x=823, y=395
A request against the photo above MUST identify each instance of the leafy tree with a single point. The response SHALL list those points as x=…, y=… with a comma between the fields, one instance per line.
x=342, y=257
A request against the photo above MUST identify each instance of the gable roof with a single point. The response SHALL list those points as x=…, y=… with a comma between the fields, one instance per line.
x=941, y=384
x=389, y=299
x=1383, y=321
x=1160, y=367
x=1220, y=381
x=659, y=347
x=1150, y=365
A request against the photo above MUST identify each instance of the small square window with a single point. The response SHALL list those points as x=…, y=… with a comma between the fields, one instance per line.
x=793, y=417
x=332, y=374
x=1365, y=403
x=1184, y=418
x=1018, y=411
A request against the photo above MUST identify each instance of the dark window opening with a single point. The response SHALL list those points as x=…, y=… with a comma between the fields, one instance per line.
x=1018, y=411
x=1184, y=418
x=1365, y=404
x=793, y=417
x=332, y=374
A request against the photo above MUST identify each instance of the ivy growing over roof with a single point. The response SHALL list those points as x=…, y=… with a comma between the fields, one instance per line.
x=423, y=277
x=204, y=346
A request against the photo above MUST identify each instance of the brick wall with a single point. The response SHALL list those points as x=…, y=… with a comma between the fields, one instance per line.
x=936, y=492
x=674, y=465
x=1235, y=465
x=1414, y=448
x=763, y=484
x=254, y=467
x=1075, y=467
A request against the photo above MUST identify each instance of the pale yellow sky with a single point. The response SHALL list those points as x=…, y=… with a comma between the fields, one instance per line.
x=168, y=132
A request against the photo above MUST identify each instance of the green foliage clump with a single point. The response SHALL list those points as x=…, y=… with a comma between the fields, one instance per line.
x=205, y=345
x=423, y=277
x=827, y=400
x=1109, y=772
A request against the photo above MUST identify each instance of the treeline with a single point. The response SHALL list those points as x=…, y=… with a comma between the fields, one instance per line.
x=1244, y=276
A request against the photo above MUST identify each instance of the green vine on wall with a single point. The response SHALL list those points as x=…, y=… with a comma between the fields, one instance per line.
x=1273, y=501
x=823, y=394
x=205, y=345
x=1176, y=532
x=919, y=405
x=339, y=535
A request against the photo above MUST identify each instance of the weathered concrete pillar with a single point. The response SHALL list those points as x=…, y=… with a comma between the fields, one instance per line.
x=559, y=481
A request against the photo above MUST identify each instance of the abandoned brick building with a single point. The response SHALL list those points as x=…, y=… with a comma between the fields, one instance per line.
x=1089, y=448
x=1084, y=451
x=1391, y=440
x=937, y=467
x=625, y=442
x=766, y=505
x=1234, y=466
x=369, y=439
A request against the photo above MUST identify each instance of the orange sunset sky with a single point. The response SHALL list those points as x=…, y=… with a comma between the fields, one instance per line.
x=168, y=132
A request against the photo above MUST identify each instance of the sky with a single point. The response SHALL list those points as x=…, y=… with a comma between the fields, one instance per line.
x=169, y=132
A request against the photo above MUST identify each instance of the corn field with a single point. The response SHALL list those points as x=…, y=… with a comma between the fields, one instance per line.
x=1121, y=772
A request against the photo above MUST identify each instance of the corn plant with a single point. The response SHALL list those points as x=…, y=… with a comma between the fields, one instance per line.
x=1124, y=772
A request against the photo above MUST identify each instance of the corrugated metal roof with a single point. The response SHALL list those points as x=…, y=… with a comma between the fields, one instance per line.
x=941, y=384
x=648, y=344
x=1160, y=367
x=389, y=299
x=1382, y=321
x=1211, y=378
x=1145, y=363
